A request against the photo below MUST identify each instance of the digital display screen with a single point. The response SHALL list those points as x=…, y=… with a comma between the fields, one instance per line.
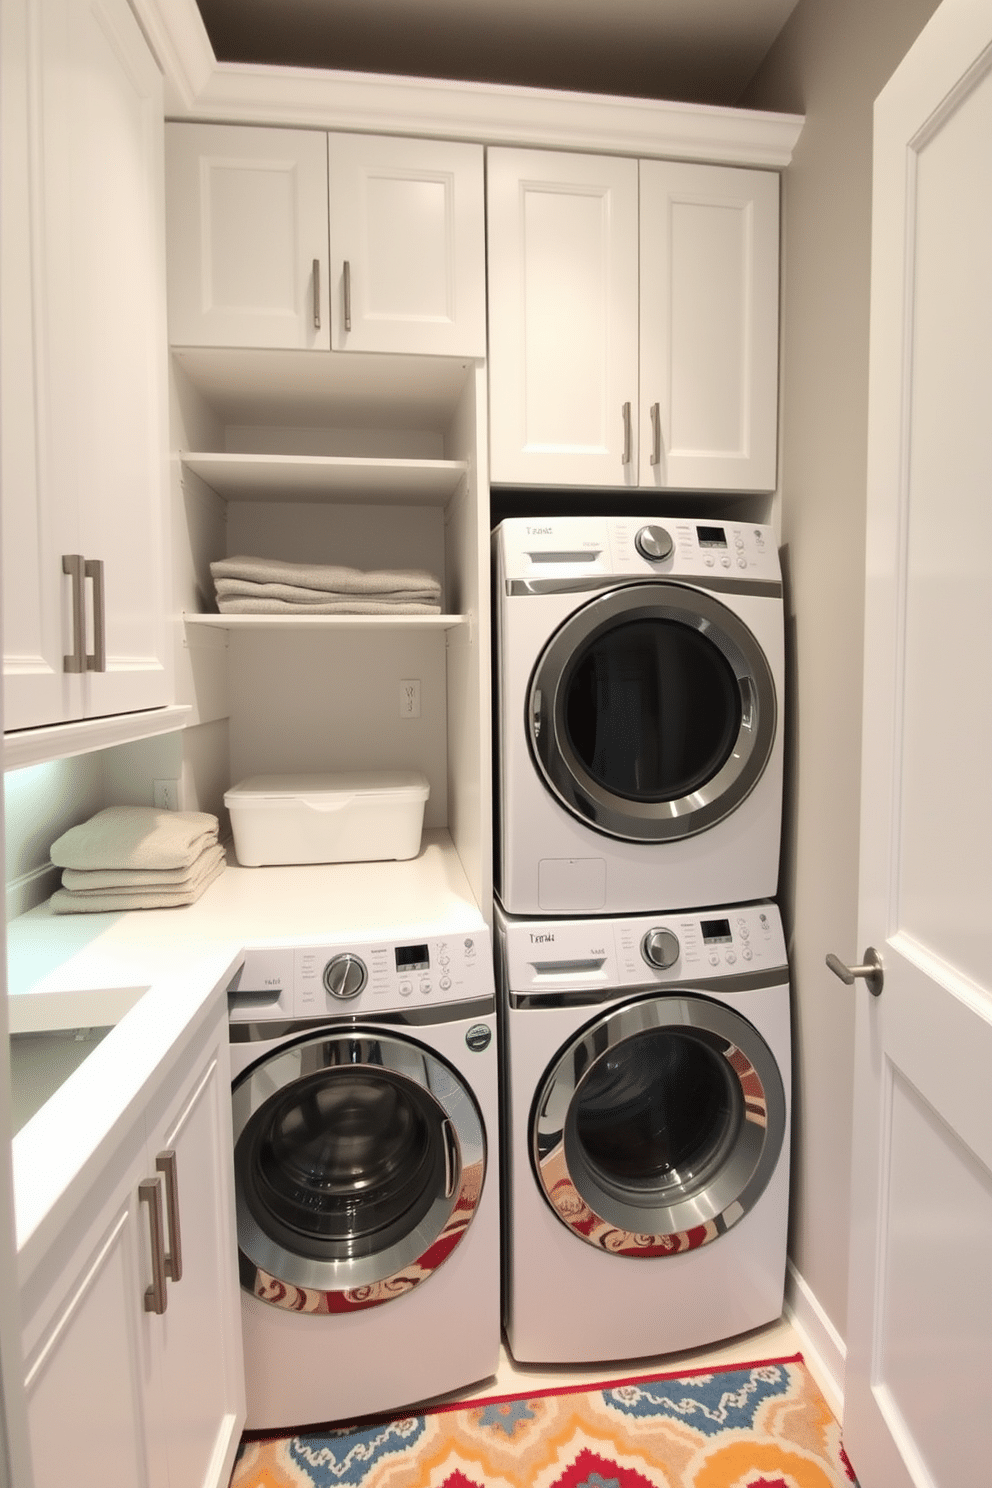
x=412, y=958
x=715, y=932
x=711, y=537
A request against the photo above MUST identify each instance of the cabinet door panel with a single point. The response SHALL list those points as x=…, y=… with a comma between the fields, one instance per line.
x=709, y=326
x=87, y=1375
x=562, y=317
x=201, y=1400
x=247, y=222
x=407, y=218
x=111, y=428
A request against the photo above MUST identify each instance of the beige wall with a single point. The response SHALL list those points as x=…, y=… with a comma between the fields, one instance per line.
x=829, y=62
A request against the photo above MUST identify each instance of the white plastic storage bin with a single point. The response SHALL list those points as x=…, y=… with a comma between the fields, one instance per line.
x=351, y=818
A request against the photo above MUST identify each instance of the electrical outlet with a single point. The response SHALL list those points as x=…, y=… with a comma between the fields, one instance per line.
x=166, y=794
x=410, y=699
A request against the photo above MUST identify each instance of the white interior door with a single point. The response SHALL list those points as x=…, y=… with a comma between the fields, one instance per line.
x=920, y=1322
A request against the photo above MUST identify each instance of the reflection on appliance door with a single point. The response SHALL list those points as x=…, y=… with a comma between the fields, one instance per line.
x=359, y=1163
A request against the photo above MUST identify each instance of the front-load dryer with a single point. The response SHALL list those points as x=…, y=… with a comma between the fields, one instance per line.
x=646, y=1131
x=365, y=1112
x=639, y=679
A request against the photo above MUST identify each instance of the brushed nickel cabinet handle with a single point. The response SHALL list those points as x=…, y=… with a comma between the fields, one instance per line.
x=627, y=439
x=316, y=294
x=871, y=971
x=165, y=1163
x=73, y=564
x=150, y=1193
x=347, y=295
x=655, y=433
x=97, y=662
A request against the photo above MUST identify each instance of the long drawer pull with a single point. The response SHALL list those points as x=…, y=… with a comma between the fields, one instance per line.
x=316, y=294
x=97, y=662
x=165, y=1163
x=73, y=564
x=150, y=1193
x=627, y=435
x=347, y=295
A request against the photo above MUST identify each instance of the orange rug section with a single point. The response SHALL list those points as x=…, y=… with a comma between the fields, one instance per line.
x=761, y=1425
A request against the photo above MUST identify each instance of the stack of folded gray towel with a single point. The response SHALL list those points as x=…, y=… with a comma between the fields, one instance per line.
x=136, y=857
x=264, y=586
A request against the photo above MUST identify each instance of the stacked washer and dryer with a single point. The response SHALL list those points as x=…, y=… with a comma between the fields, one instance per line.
x=644, y=988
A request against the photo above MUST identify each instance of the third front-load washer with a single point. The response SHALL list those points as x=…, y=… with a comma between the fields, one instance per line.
x=639, y=678
x=646, y=1112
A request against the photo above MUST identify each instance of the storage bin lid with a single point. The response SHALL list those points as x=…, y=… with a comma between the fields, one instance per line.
x=315, y=790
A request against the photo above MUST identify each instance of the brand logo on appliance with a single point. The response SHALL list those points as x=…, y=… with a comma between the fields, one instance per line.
x=539, y=531
x=542, y=939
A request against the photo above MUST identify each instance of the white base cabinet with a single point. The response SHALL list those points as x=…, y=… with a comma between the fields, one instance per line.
x=294, y=239
x=633, y=323
x=119, y=1395
x=82, y=365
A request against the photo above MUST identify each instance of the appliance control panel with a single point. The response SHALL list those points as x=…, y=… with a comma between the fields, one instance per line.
x=580, y=548
x=356, y=979
x=642, y=950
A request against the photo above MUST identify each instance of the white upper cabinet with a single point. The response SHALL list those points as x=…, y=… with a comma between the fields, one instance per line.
x=299, y=240
x=633, y=322
x=407, y=245
x=83, y=369
x=562, y=318
x=247, y=237
x=709, y=327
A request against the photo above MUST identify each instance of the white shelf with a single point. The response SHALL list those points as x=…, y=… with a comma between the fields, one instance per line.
x=247, y=477
x=62, y=741
x=326, y=622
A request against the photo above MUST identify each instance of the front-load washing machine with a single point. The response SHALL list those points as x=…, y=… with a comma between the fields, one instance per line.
x=646, y=1130
x=365, y=1105
x=639, y=677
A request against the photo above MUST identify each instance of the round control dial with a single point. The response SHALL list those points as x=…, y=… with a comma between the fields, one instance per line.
x=345, y=976
x=661, y=948
x=654, y=543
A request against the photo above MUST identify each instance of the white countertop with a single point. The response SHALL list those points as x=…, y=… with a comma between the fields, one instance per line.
x=149, y=973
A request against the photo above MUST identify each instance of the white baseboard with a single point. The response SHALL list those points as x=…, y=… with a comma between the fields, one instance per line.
x=31, y=889
x=823, y=1348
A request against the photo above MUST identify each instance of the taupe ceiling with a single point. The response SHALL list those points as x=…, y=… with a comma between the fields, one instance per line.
x=702, y=51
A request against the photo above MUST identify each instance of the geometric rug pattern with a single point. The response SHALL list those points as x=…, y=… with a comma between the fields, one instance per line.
x=762, y=1425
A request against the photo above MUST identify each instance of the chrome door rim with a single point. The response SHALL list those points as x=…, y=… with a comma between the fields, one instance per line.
x=565, y=775
x=300, y=1283
x=724, y=1196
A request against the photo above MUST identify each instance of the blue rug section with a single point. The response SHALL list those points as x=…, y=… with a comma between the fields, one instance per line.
x=710, y=1402
x=343, y=1459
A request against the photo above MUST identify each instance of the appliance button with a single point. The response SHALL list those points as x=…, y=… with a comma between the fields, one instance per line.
x=445, y=984
x=405, y=988
x=742, y=563
x=731, y=958
x=724, y=562
x=747, y=953
x=714, y=959
x=425, y=987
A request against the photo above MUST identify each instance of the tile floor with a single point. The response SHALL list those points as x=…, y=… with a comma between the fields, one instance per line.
x=777, y=1340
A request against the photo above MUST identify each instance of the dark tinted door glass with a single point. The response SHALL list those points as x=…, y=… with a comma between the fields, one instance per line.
x=342, y=1163
x=656, y=1115
x=652, y=709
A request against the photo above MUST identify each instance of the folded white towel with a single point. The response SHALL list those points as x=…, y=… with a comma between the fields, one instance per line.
x=170, y=880
x=236, y=604
x=296, y=594
x=136, y=837
x=106, y=901
x=328, y=576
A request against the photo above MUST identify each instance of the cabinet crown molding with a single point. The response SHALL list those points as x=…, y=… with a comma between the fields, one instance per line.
x=197, y=86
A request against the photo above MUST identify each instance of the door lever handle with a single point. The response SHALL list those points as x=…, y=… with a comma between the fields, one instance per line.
x=872, y=971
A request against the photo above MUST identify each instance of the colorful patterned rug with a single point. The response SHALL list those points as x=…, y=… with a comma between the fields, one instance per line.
x=758, y=1426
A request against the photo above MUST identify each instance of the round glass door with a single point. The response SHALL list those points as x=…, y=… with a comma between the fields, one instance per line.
x=359, y=1160
x=651, y=713
x=658, y=1126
